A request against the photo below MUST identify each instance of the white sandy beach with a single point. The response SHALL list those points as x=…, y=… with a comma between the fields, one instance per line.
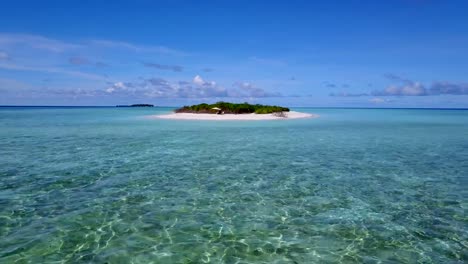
x=191, y=116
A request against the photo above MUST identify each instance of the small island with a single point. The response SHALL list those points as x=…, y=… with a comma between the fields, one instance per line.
x=231, y=108
x=136, y=105
x=232, y=111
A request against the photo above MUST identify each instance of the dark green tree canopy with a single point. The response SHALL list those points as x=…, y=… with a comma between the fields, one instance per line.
x=231, y=108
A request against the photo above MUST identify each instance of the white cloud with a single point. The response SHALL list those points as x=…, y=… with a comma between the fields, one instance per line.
x=199, y=88
x=36, y=42
x=54, y=45
x=135, y=47
x=417, y=89
x=84, y=75
x=449, y=88
x=377, y=100
x=244, y=85
x=199, y=81
x=346, y=94
x=42, y=54
x=410, y=89
x=118, y=86
x=160, y=88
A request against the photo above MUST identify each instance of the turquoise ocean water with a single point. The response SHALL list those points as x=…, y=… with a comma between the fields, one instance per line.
x=106, y=185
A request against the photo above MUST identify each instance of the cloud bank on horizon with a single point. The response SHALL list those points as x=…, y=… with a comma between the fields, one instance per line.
x=295, y=61
x=406, y=87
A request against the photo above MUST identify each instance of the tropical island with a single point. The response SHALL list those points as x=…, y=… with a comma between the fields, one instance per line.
x=233, y=111
x=136, y=105
x=231, y=108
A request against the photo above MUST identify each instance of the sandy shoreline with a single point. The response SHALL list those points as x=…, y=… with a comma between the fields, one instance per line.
x=191, y=116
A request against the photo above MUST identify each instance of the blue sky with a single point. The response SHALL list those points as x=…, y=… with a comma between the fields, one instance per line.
x=402, y=53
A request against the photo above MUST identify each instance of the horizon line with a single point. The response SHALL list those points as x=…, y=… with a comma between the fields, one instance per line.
x=327, y=107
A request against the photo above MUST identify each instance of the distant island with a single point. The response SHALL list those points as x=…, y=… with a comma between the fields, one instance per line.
x=231, y=108
x=136, y=105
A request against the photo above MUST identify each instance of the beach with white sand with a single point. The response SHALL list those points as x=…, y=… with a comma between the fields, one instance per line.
x=234, y=117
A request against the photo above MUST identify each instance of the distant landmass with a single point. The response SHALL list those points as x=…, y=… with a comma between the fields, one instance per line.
x=136, y=105
x=231, y=108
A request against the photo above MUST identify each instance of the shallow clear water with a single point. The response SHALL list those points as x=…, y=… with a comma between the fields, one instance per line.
x=106, y=185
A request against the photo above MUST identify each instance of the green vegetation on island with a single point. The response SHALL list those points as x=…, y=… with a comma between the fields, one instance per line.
x=136, y=105
x=231, y=108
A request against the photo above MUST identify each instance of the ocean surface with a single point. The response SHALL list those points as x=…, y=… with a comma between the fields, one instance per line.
x=107, y=185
